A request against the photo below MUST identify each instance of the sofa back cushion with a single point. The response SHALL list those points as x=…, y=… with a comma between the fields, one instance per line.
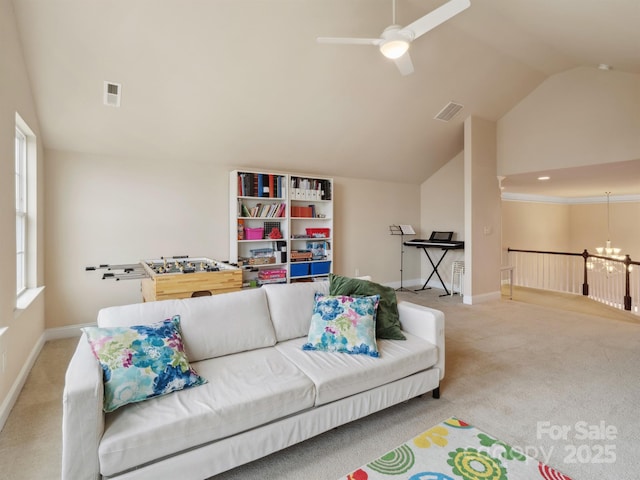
x=211, y=326
x=291, y=307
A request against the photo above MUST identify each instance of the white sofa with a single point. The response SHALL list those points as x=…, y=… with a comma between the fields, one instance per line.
x=264, y=393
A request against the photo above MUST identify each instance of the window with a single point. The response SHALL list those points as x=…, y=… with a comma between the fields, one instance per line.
x=21, y=210
x=26, y=189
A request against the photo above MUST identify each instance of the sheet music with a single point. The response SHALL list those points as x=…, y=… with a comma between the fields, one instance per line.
x=407, y=230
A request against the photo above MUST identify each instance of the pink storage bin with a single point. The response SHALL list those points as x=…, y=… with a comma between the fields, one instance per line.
x=254, y=233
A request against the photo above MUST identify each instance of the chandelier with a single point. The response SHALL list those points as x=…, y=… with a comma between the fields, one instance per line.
x=613, y=253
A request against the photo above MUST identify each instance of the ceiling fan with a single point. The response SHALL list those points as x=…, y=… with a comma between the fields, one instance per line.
x=394, y=41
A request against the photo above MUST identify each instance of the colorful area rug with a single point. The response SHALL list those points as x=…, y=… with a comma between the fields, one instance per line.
x=455, y=450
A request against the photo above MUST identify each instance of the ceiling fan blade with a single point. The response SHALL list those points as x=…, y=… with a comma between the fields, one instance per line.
x=349, y=40
x=404, y=64
x=436, y=17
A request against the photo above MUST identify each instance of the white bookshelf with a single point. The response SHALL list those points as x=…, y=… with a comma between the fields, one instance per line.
x=301, y=206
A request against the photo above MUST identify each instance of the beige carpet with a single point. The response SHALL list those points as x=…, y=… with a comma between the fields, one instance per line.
x=512, y=369
x=571, y=302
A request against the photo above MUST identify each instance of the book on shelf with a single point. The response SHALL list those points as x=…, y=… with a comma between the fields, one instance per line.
x=260, y=185
x=280, y=187
x=266, y=210
x=269, y=274
x=265, y=281
x=247, y=184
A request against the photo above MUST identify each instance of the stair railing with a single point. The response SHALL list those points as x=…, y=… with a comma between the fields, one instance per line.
x=609, y=280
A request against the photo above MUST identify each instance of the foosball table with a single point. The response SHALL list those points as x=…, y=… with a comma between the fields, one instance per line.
x=177, y=277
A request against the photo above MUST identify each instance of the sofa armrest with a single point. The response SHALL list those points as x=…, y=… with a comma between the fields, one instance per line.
x=426, y=323
x=82, y=415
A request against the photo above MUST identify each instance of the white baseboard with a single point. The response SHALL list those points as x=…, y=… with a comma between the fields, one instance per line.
x=485, y=297
x=16, y=388
x=65, y=332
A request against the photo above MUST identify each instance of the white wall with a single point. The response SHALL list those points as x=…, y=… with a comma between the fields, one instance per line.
x=442, y=209
x=364, y=210
x=583, y=116
x=116, y=210
x=588, y=224
x=23, y=329
x=536, y=226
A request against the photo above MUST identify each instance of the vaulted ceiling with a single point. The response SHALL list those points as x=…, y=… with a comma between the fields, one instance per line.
x=244, y=83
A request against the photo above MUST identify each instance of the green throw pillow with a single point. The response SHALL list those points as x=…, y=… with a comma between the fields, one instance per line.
x=387, y=317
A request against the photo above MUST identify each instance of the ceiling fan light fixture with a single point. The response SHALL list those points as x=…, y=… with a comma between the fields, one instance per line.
x=394, y=48
x=394, y=41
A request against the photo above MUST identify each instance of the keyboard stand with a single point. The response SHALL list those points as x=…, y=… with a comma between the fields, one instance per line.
x=435, y=270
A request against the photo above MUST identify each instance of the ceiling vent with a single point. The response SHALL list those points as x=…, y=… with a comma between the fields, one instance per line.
x=112, y=93
x=448, y=112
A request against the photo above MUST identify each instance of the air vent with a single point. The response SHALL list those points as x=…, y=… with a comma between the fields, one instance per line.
x=448, y=112
x=112, y=93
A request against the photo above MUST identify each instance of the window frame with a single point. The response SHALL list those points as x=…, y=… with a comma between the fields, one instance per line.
x=22, y=213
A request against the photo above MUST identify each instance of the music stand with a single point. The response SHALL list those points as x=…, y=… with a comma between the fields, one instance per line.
x=402, y=230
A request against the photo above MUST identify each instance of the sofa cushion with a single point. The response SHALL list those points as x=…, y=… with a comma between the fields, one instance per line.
x=141, y=362
x=387, y=317
x=291, y=307
x=336, y=375
x=245, y=390
x=226, y=323
x=343, y=324
x=211, y=326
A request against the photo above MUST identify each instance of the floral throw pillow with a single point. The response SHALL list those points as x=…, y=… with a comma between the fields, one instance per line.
x=344, y=324
x=141, y=362
x=387, y=317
